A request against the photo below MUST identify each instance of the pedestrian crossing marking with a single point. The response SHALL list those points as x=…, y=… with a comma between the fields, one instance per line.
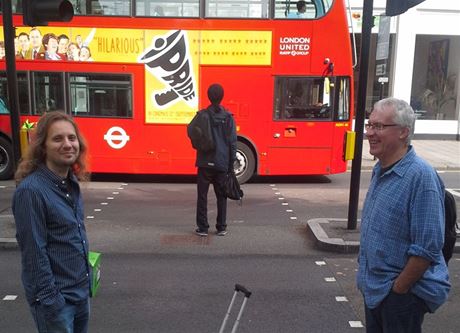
x=10, y=297
x=356, y=324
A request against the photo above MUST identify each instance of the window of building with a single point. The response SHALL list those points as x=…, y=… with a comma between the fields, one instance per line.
x=435, y=83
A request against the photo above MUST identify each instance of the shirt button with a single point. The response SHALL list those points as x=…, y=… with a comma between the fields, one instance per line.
x=67, y=195
x=84, y=242
x=87, y=274
x=63, y=182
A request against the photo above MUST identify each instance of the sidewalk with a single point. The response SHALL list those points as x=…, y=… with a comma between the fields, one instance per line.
x=333, y=234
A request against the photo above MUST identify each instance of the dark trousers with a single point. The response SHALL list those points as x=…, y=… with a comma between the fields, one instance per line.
x=398, y=313
x=207, y=176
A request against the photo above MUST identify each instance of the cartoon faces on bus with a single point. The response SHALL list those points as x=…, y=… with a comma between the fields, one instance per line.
x=33, y=45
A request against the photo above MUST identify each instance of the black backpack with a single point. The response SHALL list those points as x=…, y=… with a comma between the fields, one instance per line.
x=450, y=235
x=200, y=133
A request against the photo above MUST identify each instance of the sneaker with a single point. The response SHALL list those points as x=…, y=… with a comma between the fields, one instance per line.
x=201, y=232
x=221, y=232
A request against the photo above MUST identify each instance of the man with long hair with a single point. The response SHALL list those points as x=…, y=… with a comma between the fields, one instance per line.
x=48, y=211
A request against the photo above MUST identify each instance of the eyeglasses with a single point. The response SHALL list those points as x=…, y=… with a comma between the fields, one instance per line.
x=378, y=126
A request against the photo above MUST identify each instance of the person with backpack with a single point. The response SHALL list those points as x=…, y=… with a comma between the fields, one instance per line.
x=402, y=273
x=214, y=160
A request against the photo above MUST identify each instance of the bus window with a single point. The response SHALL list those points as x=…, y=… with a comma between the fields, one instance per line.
x=23, y=91
x=312, y=9
x=343, y=101
x=102, y=7
x=101, y=95
x=302, y=98
x=237, y=8
x=48, y=92
x=184, y=8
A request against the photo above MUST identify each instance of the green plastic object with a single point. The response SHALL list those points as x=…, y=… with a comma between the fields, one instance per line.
x=94, y=259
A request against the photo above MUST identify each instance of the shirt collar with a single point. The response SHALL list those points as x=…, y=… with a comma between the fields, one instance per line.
x=399, y=168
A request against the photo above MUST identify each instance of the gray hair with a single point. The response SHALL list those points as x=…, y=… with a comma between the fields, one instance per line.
x=404, y=114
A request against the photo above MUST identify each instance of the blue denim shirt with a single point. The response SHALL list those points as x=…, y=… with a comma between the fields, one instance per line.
x=403, y=216
x=48, y=212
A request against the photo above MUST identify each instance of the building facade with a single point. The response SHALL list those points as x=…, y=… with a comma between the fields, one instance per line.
x=422, y=66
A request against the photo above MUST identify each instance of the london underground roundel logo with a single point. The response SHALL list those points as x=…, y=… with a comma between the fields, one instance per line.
x=116, y=137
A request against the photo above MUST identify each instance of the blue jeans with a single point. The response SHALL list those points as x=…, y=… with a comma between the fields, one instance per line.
x=71, y=319
x=398, y=313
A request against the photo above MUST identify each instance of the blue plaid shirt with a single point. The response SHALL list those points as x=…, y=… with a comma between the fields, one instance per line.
x=403, y=216
x=48, y=212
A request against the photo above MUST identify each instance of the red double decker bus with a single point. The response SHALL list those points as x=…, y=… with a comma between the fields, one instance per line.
x=134, y=73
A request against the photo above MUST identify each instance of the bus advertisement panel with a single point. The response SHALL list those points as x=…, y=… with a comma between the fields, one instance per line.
x=133, y=84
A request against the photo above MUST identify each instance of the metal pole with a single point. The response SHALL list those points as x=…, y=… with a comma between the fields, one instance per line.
x=13, y=99
x=360, y=113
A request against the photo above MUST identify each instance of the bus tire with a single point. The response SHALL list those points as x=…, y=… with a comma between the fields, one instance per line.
x=6, y=159
x=245, y=163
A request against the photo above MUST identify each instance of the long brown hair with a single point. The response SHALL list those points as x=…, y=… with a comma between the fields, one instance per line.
x=36, y=154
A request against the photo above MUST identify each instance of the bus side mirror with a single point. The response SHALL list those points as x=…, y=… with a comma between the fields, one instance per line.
x=40, y=12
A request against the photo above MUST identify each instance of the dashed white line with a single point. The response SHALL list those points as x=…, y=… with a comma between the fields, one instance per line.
x=97, y=209
x=289, y=210
x=280, y=198
x=109, y=198
x=341, y=299
x=124, y=184
x=90, y=217
x=320, y=263
x=293, y=217
x=284, y=203
x=355, y=324
x=10, y=297
x=104, y=203
x=115, y=192
x=330, y=279
x=277, y=193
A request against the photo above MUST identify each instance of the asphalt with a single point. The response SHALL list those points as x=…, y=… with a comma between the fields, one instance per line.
x=331, y=235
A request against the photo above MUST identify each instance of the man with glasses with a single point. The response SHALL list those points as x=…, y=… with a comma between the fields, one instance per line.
x=402, y=273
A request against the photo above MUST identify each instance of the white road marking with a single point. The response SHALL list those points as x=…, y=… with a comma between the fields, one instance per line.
x=90, y=217
x=277, y=193
x=330, y=279
x=284, y=203
x=320, y=263
x=356, y=324
x=104, y=203
x=97, y=209
x=293, y=217
x=10, y=297
x=124, y=184
x=341, y=299
x=115, y=192
x=280, y=198
x=109, y=198
x=289, y=210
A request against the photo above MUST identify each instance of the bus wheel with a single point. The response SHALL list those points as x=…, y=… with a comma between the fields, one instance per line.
x=245, y=163
x=6, y=159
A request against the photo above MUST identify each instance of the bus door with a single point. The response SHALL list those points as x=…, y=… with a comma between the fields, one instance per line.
x=301, y=131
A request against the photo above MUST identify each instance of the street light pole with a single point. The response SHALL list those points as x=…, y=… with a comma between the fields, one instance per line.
x=13, y=99
x=368, y=22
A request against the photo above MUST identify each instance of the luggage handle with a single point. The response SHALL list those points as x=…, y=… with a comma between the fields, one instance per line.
x=240, y=288
x=247, y=294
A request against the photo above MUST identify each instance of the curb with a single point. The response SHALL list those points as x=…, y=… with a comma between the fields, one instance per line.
x=339, y=245
x=8, y=243
x=330, y=244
